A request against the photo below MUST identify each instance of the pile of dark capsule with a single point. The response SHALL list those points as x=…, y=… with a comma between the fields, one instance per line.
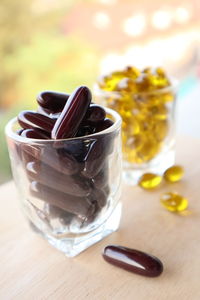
x=71, y=173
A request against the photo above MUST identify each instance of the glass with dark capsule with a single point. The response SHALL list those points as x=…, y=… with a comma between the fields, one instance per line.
x=69, y=189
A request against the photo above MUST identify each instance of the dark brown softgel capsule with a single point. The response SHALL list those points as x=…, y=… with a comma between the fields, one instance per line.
x=54, y=102
x=30, y=120
x=72, y=115
x=133, y=260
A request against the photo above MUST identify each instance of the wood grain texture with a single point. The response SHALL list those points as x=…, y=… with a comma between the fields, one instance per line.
x=32, y=269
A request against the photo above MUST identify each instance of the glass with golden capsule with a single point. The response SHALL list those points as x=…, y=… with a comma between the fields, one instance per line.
x=146, y=101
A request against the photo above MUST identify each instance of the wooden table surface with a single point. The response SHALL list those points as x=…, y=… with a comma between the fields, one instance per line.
x=32, y=269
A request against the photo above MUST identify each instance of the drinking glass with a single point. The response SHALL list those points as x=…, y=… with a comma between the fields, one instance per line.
x=148, y=129
x=69, y=189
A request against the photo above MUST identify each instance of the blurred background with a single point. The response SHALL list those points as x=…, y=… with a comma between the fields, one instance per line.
x=59, y=44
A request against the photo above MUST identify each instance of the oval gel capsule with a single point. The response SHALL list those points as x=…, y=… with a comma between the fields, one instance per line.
x=35, y=134
x=174, y=173
x=73, y=113
x=174, y=202
x=95, y=114
x=53, y=102
x=149, y=181
x=31, y=120
x=133, y=260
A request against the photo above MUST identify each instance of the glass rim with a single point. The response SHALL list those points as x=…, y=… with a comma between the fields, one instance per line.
x=174, y=86
x=12, y=134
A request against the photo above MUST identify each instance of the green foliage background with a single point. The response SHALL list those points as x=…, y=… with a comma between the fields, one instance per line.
x=35, y=55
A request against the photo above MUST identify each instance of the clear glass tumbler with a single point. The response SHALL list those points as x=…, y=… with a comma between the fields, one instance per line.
x=69, y=189
x=148, y=128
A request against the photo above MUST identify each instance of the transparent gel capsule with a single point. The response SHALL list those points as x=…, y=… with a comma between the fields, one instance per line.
x=174, y=173
x=174, y=202
x=149, y=181
x=143, y=105
x=161, y=130
x=149, y=149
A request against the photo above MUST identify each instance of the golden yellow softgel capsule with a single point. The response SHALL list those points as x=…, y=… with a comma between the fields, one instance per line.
x=174, y=173
x=174, y=202
x=141, y=98
x=149, y=181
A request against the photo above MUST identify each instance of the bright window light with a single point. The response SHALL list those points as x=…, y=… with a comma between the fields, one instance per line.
x=101, y=20
x=182, y=15
x=112, y=62
x=108, y=2
x=135, y=25
x=162, y=19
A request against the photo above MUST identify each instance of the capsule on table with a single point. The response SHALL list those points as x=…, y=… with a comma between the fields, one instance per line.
x=149, y=181
x=31, y=120
x=52, y=102
x=174, y=173
x=174, y=202
x=72, y=115
x=132, y=260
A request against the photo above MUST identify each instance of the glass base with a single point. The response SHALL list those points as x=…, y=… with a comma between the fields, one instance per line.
x=72, y=246
x=163, y=161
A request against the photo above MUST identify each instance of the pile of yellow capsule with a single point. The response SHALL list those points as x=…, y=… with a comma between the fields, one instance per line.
x=172, y=201
x=141, y=98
